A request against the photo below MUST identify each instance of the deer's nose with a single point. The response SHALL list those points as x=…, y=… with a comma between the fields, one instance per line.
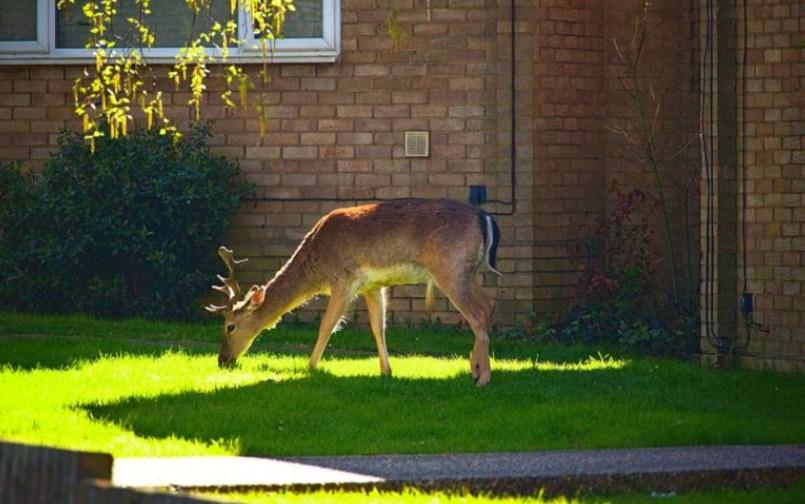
x=223, y=362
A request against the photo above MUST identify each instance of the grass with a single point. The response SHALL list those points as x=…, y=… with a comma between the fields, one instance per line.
x=136, y=388
x=792, y=495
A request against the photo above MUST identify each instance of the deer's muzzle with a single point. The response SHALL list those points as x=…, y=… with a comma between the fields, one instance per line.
x=224, y=362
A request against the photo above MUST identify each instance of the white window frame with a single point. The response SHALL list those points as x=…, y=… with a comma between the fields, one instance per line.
x=292, y=50
x=327, y=42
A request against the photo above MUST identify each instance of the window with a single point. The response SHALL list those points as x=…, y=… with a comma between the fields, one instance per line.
x=34, y=31
x=23, y=25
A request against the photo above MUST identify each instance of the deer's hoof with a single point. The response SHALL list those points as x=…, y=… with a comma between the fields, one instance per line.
x=479, y=368
x=483, y=380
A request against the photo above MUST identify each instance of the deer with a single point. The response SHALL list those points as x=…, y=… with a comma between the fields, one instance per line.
x=362, y=251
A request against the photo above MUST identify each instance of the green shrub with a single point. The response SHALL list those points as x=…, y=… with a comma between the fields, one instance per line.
x=130, y=229
x=619, y=299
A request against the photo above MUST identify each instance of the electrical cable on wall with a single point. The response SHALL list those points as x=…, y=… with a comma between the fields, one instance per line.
x=708, y=154
x=747, y=298
x=705, y=153
x=513, y=124
x=722, y=344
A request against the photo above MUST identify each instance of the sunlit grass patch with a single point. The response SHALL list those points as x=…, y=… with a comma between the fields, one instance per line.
x=406, y=496
x=417, y=366
x=43, y=405
x=433, y=368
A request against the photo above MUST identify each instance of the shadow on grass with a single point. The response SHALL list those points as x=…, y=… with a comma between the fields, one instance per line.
x=530, y=409
x=61, y=352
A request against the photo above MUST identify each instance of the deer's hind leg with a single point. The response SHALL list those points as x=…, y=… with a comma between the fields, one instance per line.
x=479, y=358
x=477, y=307
x=376, y=306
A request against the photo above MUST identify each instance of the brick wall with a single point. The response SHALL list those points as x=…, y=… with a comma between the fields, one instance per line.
x=568, y=141
x=336, y=131
x=772, y=185
x=583, y=108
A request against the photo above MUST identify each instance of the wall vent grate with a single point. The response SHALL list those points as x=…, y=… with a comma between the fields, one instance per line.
x=417, y=144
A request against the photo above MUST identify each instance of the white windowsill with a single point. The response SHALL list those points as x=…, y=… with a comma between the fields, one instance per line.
x=285, y=57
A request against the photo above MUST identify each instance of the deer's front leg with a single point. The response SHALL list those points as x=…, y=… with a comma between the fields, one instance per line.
x=376, y=306
x=339, y=298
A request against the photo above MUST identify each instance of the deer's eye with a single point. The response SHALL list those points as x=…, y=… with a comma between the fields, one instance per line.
x=230, y=328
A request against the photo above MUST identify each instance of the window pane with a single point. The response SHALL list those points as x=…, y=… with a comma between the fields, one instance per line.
x=305, y=21
x=17, y=20
x=171, y=22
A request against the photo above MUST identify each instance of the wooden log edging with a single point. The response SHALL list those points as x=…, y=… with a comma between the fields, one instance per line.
x=32, y=474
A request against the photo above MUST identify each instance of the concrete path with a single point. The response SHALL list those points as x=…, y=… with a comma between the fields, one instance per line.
x=661, y=469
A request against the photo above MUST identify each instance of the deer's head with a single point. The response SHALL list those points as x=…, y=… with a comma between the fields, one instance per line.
x=241, y=326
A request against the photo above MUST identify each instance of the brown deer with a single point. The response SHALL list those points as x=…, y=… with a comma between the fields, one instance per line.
x=360, y=251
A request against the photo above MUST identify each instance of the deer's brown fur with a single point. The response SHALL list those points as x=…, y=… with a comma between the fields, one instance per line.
x=364, y=249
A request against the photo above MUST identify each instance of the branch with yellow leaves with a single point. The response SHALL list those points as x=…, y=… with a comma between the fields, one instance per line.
x=105, y=94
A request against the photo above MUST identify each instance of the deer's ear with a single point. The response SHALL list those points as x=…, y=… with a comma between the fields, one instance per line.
x=258, y=295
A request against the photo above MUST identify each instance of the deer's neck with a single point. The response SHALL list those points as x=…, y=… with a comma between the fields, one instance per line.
x=292, y=285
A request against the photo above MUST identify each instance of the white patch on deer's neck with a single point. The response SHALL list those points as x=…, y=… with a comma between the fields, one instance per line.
x=371, y=279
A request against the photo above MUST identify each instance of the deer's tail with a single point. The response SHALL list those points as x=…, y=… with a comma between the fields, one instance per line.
x=491, y=234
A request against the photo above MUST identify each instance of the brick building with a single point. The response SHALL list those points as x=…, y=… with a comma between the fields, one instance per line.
x=530, y=92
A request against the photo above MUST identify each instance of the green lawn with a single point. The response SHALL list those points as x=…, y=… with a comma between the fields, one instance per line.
x=136, y=388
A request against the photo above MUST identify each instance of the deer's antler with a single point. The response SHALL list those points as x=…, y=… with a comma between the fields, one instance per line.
x=230, y=285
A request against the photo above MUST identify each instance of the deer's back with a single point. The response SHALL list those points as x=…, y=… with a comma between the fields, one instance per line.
x=392, y=240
